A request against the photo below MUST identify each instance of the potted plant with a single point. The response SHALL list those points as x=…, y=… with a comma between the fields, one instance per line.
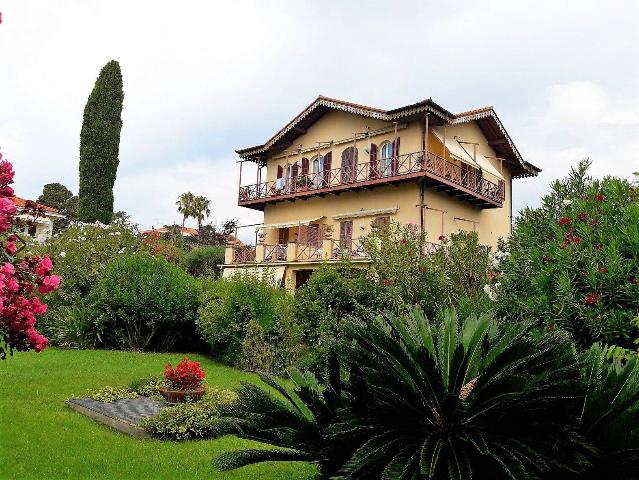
x=184, y=382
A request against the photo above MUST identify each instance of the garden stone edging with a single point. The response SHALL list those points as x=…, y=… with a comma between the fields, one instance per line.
x=124, y=415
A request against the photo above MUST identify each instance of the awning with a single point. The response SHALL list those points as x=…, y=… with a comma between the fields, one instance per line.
x=273, y=274
x=456, y=150
x=366, y=213
x=288, y=224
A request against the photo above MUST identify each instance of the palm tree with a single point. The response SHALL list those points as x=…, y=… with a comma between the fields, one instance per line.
x=201, y=209
x=185, y=206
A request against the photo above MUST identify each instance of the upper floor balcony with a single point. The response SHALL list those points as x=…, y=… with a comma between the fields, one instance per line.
x=457, y=179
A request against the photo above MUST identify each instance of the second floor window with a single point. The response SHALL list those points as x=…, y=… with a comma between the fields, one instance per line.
x=386, y=159
x=317, y=171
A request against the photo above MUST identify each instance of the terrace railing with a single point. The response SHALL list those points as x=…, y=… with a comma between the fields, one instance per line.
x=244, y=255
x=409, y=164
x=275, y=253
x=351, y=249
x=308, y=252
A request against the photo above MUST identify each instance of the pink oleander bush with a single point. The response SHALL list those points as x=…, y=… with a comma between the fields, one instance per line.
x=22, y=280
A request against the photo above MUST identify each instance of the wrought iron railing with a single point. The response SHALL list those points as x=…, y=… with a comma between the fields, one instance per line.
x=466, y=177
x=351, y=249
x=275, y=253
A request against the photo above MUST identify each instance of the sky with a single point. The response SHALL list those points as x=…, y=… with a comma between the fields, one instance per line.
x=204, y=78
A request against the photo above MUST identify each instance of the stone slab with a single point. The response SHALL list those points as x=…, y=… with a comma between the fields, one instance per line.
x=123, y=415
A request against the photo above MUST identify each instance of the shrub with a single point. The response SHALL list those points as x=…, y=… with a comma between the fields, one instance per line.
x=204, y=261
x=144, y=302
x=407, y=272
x=228, y=306
x=573, y=263
x=187, y=421
x=149, y=386
x=332, y=297
x=111, y=394
x=81, y=254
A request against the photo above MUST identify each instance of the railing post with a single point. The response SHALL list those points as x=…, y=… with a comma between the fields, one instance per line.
x=229, y=254
x=291, y=251
x=259, y=252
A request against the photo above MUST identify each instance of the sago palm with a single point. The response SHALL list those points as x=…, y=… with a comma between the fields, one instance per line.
x=294, y=421
x=477, y=400
x=609, y=418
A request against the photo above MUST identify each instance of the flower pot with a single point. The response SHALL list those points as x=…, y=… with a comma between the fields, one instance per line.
x=182, y=396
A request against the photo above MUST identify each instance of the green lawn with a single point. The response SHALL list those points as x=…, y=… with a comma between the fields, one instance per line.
x=40, y=437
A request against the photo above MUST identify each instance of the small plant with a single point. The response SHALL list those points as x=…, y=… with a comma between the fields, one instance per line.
x=111, y=394
x=149, y=386
x=187, y=375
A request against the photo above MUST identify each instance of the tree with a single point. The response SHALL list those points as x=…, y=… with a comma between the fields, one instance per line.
x=58, y=196
x=201, y=209
x=99, y=145
x=185, y=206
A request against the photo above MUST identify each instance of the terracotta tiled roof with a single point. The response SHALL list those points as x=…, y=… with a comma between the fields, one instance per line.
x=186, y=231
x=21, y=202
x=485, y=117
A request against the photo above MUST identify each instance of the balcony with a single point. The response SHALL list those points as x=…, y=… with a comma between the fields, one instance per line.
x=462, y=181
x=330, y=250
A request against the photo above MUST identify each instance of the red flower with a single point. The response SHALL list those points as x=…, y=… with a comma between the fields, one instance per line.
x=388, y=282
x=602, y=270
x=584, y=274
x=187, y=375
x=592, y=299
x=634, y=280
x=582, y=216
x=576, y=240
x=599, y=197
x=565, y=221
x=594, y=221
x=442, y=238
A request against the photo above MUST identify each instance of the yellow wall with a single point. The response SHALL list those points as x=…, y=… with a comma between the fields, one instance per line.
x=336, y=125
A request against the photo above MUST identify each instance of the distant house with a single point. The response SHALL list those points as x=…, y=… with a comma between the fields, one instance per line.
x=185, y=231
x=38, y=227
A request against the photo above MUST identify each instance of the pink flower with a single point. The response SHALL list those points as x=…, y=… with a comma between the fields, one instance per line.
x=592, y=299
x=11, y=248
x=564, y=221
x=599, y=197
x=49, y=284
x=442, y=238
x=44, y=267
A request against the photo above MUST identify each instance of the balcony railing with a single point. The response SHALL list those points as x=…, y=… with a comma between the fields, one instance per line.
x=352, y=249
x=308, y=252
x=244, y=255
x=409, y=165
x=275, y=253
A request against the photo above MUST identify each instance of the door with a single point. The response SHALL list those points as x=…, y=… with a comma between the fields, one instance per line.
x=349, y=164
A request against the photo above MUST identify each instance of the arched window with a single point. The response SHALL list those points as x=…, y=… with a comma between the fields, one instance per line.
x=317, y=171
x=386, y=158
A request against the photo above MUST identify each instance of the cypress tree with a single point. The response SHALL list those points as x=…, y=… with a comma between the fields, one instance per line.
x=100, y=144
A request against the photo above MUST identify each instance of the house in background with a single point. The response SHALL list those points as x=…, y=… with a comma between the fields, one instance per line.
x=185, y=231
x=338, y=168
x=39, y=227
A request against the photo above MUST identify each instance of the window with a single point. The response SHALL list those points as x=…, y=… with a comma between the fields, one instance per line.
x=386, y=159
x=379, y=221
x=317, y=171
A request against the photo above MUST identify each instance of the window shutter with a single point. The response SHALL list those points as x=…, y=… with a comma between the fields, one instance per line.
x=280, y=171
x=373, y=168
x=327, y=168
x=302, y=238
x=294, y=170
x=304, y=166
x=395, y=162
x=346, y=233
x=283, y=236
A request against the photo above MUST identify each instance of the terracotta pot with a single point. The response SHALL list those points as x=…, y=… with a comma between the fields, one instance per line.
x=182, y=396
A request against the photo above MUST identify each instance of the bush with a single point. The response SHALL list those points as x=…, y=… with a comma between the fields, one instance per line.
x=228, y=306
x=81, y=254
x=144, y=302
x=204, y=261
x=332, y=297
x=187, y=421
x=407, y=272
x=573, y=263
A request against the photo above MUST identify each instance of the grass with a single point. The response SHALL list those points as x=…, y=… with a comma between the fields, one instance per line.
x=40, y=437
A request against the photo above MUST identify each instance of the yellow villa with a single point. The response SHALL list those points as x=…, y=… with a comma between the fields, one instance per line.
x=338, y=169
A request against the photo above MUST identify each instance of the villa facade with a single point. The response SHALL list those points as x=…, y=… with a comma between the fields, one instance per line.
x=338, y=169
